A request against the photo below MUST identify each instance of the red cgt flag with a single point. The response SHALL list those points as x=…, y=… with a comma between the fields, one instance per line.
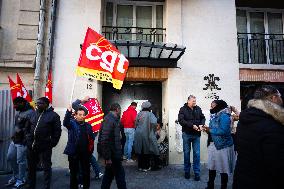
x=15, y=89
x=48, y=88
x=100, y=60
x=95, y=114
x=24, y=92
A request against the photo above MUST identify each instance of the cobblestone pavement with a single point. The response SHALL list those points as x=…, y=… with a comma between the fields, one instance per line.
x=170, y=177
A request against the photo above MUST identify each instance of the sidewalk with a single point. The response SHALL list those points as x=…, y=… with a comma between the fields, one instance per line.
x=170, y=177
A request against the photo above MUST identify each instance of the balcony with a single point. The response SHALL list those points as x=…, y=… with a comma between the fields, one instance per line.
x=144, y=47
x=258, y=48
x=134, y=33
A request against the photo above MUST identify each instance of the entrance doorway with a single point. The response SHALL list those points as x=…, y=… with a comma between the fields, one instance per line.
x=133, y=91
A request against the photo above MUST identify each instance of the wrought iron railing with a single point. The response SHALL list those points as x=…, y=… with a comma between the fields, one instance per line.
x=258, y=48
x=134, y=33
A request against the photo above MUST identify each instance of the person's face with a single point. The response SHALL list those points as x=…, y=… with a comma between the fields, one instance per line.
x=213, y=105
x=118, y=111
x=134, y=107
x=41, y=105
x=277, y=99
x=158, y=126
x=19, y=106
x=80, y=116
x=191, y=102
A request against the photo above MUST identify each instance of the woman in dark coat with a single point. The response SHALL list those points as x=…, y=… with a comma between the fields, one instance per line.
x=145, y=141
x=260, y=142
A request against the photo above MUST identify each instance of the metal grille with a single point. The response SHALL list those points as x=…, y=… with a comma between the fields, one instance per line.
x=7, y=115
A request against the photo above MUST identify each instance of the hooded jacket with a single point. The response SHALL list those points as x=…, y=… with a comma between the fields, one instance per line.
x=109, y=145
x=220, y=129
x=128, y=117
x=188, y=117
x=46, y=130
x=23, y=119
x=260, y=147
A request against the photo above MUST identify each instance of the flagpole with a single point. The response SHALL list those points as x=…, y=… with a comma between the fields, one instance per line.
x=73, y=87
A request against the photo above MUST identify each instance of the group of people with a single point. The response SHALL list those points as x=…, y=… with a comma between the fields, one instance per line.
x=36, y=133
x=253, y=152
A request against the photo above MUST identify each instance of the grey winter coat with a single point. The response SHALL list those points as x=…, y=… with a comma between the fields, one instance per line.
x=145, y=139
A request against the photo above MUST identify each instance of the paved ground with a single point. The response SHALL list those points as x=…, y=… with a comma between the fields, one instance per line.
x=170, y=177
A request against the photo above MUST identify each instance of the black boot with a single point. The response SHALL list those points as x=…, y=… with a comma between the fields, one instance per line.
x=224, y=180
x=210, y=183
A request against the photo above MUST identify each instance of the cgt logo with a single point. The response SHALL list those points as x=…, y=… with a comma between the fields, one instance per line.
x=108, y=59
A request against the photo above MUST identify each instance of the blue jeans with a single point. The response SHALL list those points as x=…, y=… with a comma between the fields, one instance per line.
x=129, y=134
x=189, y=139
x=95, y=165
x=17, y=158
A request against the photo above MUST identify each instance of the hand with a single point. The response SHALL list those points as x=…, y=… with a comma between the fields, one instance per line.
x=195, y=127
x=85, y=99
x=205, y=128
x=200, y=127
x=69, y=108
x=108, y=162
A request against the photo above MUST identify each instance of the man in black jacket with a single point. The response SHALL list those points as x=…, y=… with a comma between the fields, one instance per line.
x=110, y=148
x=16, y=156
x=41, y=138
x=260, y=142
x=191, y=119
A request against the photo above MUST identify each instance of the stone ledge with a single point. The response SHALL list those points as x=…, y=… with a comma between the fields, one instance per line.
x=262, y=66
x=16, y=64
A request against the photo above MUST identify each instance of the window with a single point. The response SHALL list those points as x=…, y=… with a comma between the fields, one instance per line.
x=260, y=37
x=134, y=20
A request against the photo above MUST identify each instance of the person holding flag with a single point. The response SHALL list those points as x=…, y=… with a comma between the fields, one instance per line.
x=16, y=155
x=77, y=148
x=82, y=103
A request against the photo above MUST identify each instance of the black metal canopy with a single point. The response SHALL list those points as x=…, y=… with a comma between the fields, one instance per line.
x=150, y=54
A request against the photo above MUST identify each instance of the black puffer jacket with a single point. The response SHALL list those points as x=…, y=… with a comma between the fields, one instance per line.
x=23, y=120
x=109, y=145
x=188, y=117
x=46, y=131
x=260, y=146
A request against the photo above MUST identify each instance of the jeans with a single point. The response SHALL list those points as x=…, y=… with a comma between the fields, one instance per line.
x=189, y=139
x=114, y=170
x=95, y=165
x=17, y=158
x=129, y=133
x=34, y=157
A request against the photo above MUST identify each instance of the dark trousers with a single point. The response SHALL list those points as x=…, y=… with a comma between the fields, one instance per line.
x=115, y=170
x=144, y=161
x=82, y=160
x=34, y=157
x=212, y=175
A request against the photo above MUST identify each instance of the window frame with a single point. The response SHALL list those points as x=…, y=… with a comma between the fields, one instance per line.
x=134, y=4
x=265, y=11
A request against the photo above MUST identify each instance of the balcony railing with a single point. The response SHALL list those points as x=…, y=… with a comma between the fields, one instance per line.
x=258, y=48
x=134, y=33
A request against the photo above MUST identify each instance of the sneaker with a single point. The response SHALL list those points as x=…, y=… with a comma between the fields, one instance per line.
x=130, y=161
x=19, y=184
x=124, y=157
x=80, y=186
x=11, y=182
x=145, y=170
x=140, y=169
x=186, y=175
x=197, y=178
x=99, y=176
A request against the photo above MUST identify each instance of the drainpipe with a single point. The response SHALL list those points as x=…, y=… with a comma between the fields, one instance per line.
x=39, y=50
x=51, y=36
